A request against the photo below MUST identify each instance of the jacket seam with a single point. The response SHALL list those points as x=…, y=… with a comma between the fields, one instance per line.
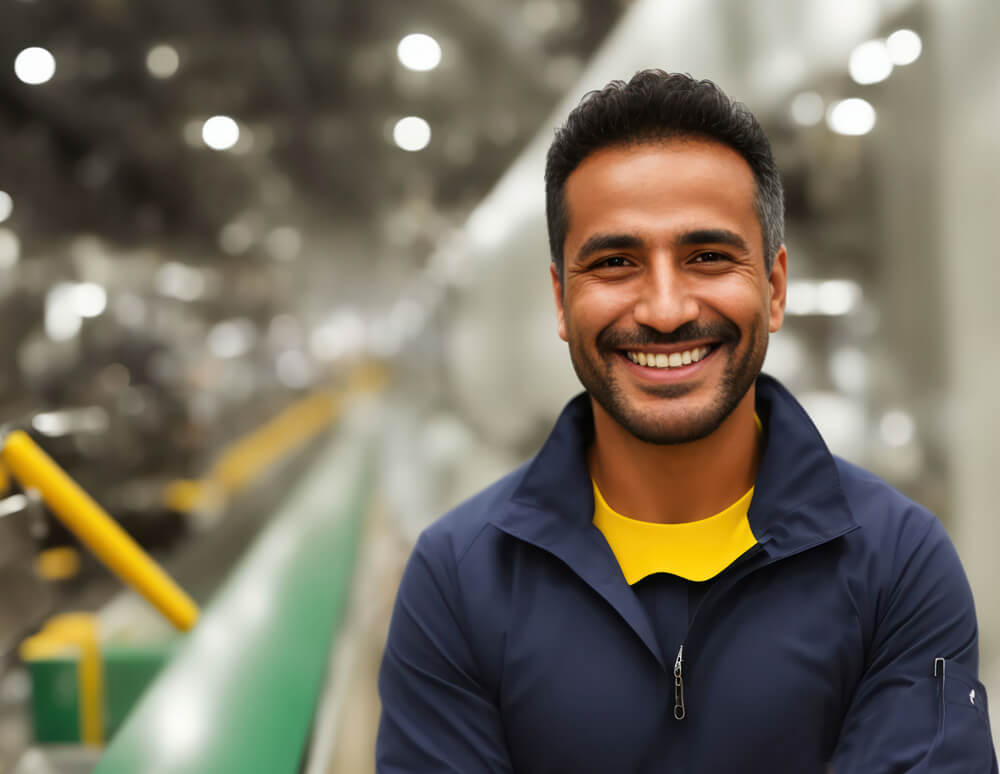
x=459, y=557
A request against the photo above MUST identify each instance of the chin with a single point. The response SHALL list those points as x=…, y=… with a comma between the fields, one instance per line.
x=682, y=424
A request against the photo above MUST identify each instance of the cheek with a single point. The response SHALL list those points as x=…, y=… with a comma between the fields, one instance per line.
x=592, y=309
x=741, y=301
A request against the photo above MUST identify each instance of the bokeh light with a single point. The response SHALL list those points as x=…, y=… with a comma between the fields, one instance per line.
x=162, y=61
x=419, y=52
x=851, y=117
x=807, y=108
x=6, y=206
x=904, y=47
x=411, y=133
x=870, y=62
x=220, y=133
x=10, y=249
x=35, y=66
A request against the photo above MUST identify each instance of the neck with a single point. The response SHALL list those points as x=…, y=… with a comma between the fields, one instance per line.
x=677, y=483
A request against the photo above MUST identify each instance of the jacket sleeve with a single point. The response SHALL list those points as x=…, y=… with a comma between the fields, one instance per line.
x=919, y=706
x=437, y=716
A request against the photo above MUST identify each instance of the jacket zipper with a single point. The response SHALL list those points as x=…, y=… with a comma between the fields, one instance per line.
x=679, y=711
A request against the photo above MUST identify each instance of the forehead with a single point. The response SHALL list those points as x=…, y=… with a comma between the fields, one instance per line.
x=659, y=189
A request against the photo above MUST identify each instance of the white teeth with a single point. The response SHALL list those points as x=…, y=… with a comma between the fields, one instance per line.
x=673, y=360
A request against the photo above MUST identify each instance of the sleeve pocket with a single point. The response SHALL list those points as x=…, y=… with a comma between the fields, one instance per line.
x=963, y=744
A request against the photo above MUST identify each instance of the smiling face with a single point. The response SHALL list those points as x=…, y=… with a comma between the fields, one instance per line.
x=665, y=302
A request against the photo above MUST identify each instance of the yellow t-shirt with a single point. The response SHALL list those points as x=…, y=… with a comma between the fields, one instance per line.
x=697, y=550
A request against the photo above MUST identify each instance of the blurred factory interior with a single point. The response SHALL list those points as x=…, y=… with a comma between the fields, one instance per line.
x=274, y=293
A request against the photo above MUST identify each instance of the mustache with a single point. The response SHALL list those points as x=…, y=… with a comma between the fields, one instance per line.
x=721, y=331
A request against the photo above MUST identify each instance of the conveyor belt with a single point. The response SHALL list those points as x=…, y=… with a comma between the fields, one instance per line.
x=241, y=693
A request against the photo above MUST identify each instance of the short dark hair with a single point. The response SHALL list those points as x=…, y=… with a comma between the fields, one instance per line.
x=653, y=106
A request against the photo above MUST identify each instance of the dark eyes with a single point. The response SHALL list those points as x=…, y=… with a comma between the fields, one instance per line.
x=709, y=257
x=612, y=262
x=621, y=261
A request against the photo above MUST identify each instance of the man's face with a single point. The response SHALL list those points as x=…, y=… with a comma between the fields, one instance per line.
x=664, y=265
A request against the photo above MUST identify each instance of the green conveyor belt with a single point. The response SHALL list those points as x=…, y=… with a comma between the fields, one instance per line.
x=242, y=691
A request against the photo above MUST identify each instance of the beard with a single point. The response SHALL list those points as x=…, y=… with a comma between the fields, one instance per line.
x=597, y=374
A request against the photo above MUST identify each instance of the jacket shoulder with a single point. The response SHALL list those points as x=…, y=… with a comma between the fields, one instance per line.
x=878, y=505
x=457, y=530
x=904, y=543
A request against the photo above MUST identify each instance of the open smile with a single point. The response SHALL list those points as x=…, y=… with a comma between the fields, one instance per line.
x=676, y=359
x=668, y=364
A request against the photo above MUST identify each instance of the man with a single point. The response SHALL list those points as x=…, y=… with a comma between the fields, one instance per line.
x=684, y=579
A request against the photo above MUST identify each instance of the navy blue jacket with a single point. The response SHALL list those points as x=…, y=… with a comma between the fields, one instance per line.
x=846, y=640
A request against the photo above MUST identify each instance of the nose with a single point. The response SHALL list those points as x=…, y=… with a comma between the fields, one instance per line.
x=665, y=300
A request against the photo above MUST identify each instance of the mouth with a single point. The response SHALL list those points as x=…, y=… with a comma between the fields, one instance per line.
x=666, y=361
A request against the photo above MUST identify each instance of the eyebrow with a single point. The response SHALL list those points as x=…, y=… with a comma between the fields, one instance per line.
x=599, y=242
x=701, y=236
x=721, y=236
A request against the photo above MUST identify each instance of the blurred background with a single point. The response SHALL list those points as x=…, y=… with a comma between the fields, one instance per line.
x=274, y=292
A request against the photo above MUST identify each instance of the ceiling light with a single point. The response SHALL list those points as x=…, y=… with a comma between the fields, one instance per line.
x=62, y=321
x=851, y=116
x=870, y=62
x=411, y=133
x=179, y=281
x=231, y=338
x=35, y=66
x=6, y=206
x=419, y=52
x=904, y=47
x=807, y=108
x=89, y=299
x=220, y=133
x=162, y=61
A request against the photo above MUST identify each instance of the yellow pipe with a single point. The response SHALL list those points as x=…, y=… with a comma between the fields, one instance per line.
x=249, y=456
x=95, y=529
x=255, y=452
x=78, y=630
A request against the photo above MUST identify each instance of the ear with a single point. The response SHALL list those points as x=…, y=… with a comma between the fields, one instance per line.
x=557, y=291
x=778, y=287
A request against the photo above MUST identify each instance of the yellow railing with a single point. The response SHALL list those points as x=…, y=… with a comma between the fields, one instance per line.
x=34, y=469
x=240, y=463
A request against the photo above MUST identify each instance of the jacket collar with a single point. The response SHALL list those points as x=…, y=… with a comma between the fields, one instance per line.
x=798, y=502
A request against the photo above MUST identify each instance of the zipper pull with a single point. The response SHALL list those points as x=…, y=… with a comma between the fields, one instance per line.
x=679, y=711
